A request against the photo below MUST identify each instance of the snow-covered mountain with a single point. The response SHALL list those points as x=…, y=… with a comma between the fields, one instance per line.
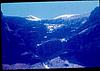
x=32, y=18
x=71, y=37
x=66, y=16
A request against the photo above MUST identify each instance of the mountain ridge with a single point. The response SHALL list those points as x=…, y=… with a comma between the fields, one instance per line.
x=78, y=37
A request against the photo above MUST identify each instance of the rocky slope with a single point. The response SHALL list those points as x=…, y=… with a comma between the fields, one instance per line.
x=76, y=40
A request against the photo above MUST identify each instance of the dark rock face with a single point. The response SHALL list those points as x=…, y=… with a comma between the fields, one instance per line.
x=50, y=49
x=18, y=37
x=25, y=41
x=85, y=47
x=95, y=15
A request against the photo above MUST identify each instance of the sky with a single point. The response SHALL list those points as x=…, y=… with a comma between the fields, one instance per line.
x=48, y=10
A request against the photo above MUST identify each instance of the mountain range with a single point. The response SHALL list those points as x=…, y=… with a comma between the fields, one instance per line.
x=75, y=38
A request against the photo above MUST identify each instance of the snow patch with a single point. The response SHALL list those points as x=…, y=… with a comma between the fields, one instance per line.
x=46, y=66
x=65, y=16
x=32, y=18
x=84, y=21
x=83, y=31
x=45, y=36
x=8, y=28
x=25, y=53
x=38, y=44
x=52, y=27
x=63, y=40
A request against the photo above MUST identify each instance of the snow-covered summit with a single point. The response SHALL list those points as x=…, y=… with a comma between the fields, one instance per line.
x=65, y=16
x=32, y=18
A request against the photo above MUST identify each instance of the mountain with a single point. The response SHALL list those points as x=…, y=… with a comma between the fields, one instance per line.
x=18, y=35
x=84, y=47
x=65, y=16
x=32, y=18
x=72, y=16
x=31, y=40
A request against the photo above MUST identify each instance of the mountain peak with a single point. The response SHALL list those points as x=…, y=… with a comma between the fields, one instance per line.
x=65, y=16
x=32, y=18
